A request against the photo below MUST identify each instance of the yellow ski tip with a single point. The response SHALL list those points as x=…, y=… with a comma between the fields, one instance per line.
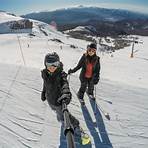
x=86, y=140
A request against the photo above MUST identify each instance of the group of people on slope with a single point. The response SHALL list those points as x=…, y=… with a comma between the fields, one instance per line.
x=56, y=86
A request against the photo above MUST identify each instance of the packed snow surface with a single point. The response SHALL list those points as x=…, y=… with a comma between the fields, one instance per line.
x=27, y=122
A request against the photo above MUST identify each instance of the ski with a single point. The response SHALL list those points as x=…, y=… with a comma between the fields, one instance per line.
x=82, y=102
x=107, y=101
x=106, y=114
x=91, y=97
x=83, y=138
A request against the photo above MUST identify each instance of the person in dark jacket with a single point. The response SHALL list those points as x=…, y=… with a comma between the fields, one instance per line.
x=56, y=87
x=90, y=71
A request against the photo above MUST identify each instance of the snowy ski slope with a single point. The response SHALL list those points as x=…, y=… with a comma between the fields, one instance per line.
x=27, y=122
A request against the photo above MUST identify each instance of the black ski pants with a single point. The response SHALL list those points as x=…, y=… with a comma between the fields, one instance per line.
x=60, y=117
x=87, y=82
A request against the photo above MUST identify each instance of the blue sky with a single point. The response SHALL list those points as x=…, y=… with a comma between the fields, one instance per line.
x=27, y=6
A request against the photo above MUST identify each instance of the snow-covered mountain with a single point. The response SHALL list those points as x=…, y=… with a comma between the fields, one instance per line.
x=84, y=14
x=108, y=22
x=27, y=122
x=10, y=23
x=5, y=17
x=89, y=30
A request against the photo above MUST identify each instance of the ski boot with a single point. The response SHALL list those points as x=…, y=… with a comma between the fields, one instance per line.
x=82, y=137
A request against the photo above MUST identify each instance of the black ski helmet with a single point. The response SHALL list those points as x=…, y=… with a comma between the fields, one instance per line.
x=88, y=46
x=92, y=45
x=51, y=58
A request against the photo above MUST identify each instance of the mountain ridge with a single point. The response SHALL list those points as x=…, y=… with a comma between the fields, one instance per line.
x=110, y=22
x=85, y=13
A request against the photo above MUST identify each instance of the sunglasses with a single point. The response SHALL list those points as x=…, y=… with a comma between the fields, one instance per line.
x=91, y=50
x=55, y=64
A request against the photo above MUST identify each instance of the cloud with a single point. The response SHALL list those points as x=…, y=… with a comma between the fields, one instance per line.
x=132, y=7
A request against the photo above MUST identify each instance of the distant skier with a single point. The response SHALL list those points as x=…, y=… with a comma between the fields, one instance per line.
x=56, y=87
x=61, y=47
x=90, y=73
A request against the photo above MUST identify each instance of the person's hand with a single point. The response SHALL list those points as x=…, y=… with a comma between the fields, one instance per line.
x=43, y=98
x=65, y=97
x=70, y=71
x=95, y=81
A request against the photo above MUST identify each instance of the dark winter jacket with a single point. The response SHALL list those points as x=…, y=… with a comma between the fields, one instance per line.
x=82, y=64
x=55, y=85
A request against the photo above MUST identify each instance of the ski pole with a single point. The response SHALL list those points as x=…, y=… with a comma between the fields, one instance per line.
x=95, y=102
x=68, y=128
x=106, y=114
x=68, y=78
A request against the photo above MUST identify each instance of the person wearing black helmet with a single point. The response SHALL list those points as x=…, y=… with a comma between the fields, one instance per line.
x=56, y=87
x=90, y=71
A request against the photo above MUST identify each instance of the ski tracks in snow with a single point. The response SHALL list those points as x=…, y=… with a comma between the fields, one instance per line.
x=21, y=120
x=26, y=122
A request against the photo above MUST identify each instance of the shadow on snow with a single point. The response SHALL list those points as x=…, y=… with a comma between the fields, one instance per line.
x=100, y=136
x=97, y=130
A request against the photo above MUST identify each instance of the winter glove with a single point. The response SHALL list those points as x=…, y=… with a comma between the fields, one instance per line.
x=70, y=71
x=43, y=98
x=65, y=97
x=65, y=91
x=96, y=80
